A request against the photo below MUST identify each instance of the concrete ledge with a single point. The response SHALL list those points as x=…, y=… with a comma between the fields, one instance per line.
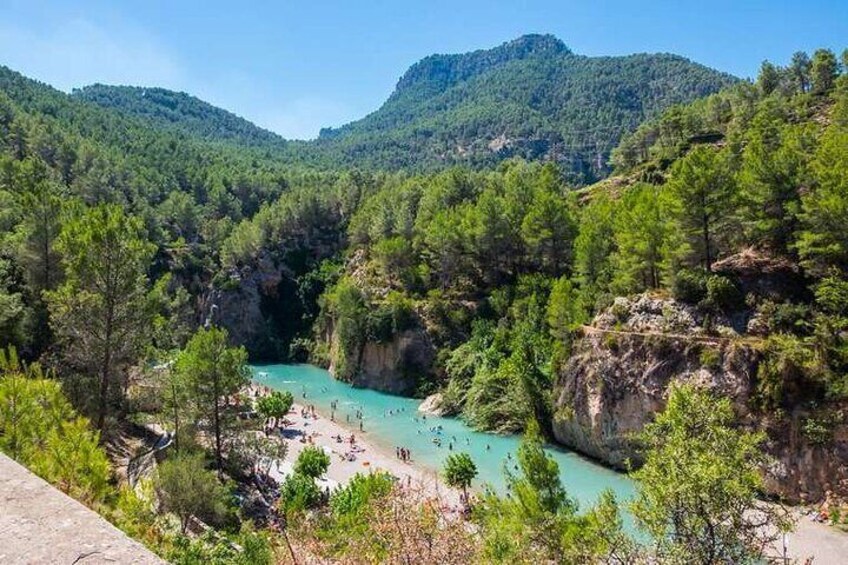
x=41, y=525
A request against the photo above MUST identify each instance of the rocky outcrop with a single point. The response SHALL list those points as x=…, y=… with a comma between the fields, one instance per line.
x=618, y=378
x=434, y=405
x=394, y=366
x=236, y=304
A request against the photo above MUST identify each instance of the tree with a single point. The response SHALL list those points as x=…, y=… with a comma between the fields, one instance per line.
x=645, y=240
x=593, y=247
x=769, y=78
x=39, y=429
x=459, y=471
x=176, y=404
x=538, y=521
x=312, y=462
x=824, y=70
x=98, y=312
x=823, y=240
x=799, y=71
x=773, y=167
x=41, y=204
x=702, y=184
x=213, y=371
x=187, y=489
x=276, y=405
x=548, y=231
x=697, y=491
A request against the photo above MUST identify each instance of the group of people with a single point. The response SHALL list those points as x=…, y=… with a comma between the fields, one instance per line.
x=403, y=454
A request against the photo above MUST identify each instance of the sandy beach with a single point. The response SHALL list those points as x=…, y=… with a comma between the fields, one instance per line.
x=810, y=539
x=323, y=432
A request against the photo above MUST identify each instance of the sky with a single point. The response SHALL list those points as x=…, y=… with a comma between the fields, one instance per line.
x=296, y=66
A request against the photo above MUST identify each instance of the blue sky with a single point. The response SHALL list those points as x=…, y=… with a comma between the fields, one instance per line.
x=296, y=66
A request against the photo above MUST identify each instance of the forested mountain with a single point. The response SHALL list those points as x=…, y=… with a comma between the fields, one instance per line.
x=531, y=97
x=181, y=110
x=136, y=231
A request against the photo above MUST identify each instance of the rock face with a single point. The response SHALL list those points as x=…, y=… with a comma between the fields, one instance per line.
x=618, y=378
x=433, y=404
x=238, y=306
x=393, y=366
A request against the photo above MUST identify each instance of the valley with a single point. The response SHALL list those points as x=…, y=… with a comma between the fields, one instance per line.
x=618, y=284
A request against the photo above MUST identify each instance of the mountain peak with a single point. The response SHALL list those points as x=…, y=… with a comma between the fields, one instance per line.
x=441, y=71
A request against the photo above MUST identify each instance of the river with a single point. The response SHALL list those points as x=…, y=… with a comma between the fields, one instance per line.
x=392, y=421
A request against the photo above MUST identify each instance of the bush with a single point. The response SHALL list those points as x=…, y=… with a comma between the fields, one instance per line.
x=298, y=493
x=690, y=286
x=312, y=462
x=710, y=358
x=186, y=488
x=351, y=499
x=722, y=294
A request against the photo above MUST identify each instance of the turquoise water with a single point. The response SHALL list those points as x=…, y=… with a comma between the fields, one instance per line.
x=406, y=427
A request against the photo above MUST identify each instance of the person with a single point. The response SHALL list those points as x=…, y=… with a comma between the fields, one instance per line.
x=360, y=425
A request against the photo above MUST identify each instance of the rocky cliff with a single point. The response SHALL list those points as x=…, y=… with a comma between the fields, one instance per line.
x=395, y=366
x=618, y=378
x=237, y=305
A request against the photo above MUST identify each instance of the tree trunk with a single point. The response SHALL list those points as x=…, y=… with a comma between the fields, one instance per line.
x=217, y=424
x=103, y=403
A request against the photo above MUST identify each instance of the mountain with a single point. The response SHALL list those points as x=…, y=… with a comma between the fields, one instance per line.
x=181, y=110
x=531, y=97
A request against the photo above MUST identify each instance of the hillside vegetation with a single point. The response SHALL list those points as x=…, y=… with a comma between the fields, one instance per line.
x=148, y=249
x=531, y=98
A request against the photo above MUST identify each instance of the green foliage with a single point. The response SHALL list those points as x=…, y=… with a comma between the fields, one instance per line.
x=40, y=429
x=646, y=240
x=350, y=501
x=277, y=404
x=186, y=488
x=99, y=311
x=698, y=487
x=539, y=522
x=312, y=462
x=298, y=493
x=212, y=370
x=459, y=471
x=702, y=185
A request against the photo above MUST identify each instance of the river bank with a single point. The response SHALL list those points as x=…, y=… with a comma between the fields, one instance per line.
x=304, y=430
x=385, y=417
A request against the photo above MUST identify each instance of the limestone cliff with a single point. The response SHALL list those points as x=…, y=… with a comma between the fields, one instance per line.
x=394, y=366
x=618, y=378
x=237, y=305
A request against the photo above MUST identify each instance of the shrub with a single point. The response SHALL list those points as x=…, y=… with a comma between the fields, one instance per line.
x=351, y=499
x=722, y=294
x=298, y=493
x=312, y=462
x=710, y=358
x=690, y=286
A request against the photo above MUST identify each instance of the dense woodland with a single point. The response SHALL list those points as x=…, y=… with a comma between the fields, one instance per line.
x=531, y=98
x=122, y=210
